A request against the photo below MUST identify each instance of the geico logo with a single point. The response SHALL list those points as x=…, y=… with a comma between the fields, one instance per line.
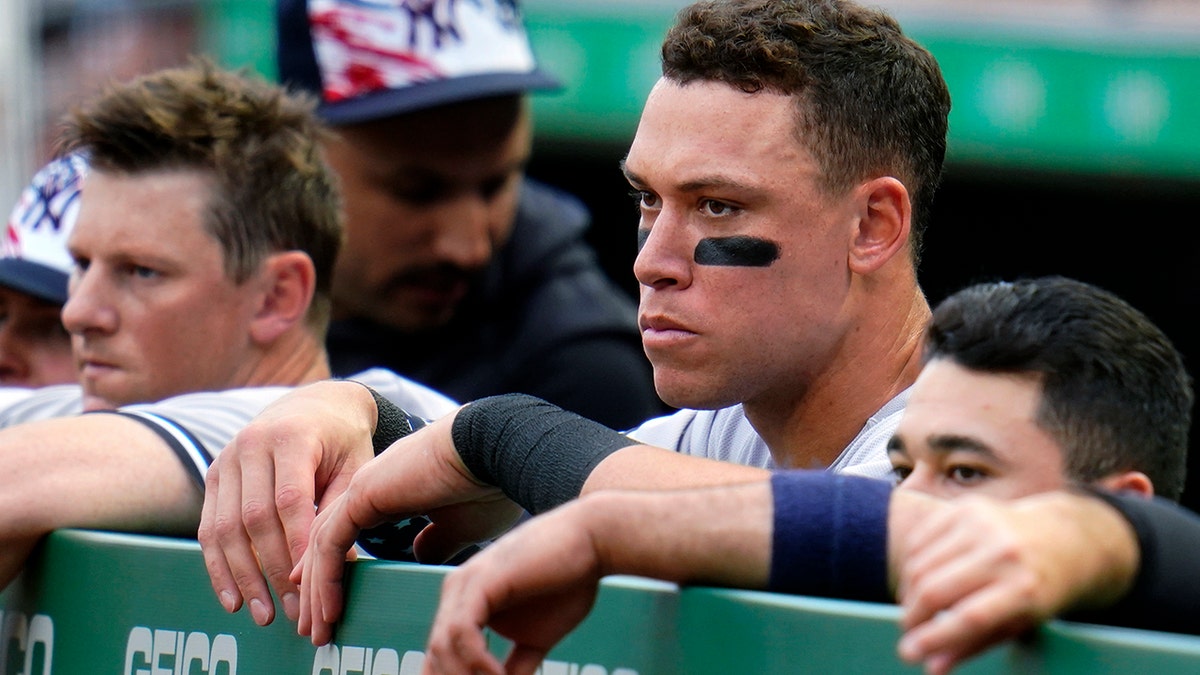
x=26, y=641
x=171, y=652
x=564, y=668
x=334, y=660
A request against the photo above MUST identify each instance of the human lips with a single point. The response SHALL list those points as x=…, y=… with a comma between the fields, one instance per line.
x=662, y=331
x=434, y=287
x=93, y=366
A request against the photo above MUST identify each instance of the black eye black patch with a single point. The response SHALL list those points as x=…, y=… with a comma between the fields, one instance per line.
x=736, y=252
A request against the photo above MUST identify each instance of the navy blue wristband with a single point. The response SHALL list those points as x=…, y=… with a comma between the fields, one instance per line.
x=830, y=535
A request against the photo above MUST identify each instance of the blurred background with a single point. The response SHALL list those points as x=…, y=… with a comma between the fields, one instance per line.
x=1074, y=137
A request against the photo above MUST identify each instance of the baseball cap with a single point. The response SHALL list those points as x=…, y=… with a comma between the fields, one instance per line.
x=33, y=254
x=370, y=59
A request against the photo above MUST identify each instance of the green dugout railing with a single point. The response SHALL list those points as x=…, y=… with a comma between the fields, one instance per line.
x=94, y=602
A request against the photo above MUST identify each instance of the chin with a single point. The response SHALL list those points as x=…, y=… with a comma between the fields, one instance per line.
x=93, y=402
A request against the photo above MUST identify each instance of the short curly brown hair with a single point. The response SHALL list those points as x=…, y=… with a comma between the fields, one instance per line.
x=870, y=101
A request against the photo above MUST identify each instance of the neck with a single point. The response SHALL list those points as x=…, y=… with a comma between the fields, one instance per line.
x=879, y=359
x=293, y=360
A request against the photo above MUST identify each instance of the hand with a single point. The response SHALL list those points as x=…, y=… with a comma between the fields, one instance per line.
x=420, y=474
x=260, y=493
x=533, y=586
x=983, y=571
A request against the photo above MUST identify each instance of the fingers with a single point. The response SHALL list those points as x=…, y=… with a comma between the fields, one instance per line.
x=456, y=641
x=971, y=626
x=324, y=563
x=219, y=574
x=257, y=511
x=228, y=553
x=973, y=577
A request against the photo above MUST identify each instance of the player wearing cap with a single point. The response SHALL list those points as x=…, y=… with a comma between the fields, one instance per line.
x=35, y=349
x=457, y=270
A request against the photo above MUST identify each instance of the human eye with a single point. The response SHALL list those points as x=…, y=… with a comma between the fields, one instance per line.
x=644, y=199
x=965, y=474
x=142, y=271
x=901, y=472
x=716, y=208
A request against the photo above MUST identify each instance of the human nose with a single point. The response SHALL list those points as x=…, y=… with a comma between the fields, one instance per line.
x=469, y=228
x=88, y=307
x=664, y=257
x=921, y=479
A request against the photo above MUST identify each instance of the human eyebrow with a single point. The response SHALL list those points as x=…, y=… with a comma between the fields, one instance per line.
x=700, y=183
x=630, y=175
x=944, y=444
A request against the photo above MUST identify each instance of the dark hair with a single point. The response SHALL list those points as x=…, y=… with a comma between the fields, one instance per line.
x=1115, y=393
x=272, y=189
x=870, y=101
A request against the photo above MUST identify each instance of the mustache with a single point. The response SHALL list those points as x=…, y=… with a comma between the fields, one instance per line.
x=433, y=276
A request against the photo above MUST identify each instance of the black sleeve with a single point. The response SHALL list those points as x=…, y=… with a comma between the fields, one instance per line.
x=1166, y=593
x=538, y=454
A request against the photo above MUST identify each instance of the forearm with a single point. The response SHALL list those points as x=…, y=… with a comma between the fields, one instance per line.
x=645, y=467
x=710, y=536
x=1163, y=594
x=98, y=471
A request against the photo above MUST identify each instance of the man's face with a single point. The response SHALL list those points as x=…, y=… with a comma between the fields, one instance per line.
x=743, y=265
x=970, y=431
x=151, y=312
x=428, y=197
x=35, y=349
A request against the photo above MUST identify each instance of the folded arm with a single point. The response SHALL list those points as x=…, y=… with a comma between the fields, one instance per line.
x=100, y=471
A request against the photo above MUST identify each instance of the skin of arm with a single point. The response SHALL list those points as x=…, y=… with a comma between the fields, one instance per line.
x=423, y=474
x=260, y=492
x=992, y=569
x=93, y=471
x=420, y=474
x=536, y=583
x=985, y=570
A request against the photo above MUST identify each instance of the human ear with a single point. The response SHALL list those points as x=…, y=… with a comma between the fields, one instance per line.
x=883, y=226
x=288, y=283
x=1128, y=481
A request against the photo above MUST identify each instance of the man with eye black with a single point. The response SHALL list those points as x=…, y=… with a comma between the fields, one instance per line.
x=784, y=168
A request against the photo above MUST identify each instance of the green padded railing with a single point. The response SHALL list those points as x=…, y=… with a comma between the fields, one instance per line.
x=94, y=602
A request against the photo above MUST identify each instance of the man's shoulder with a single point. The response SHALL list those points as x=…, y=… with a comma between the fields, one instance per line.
x=724, y=434
x=61, y=400
x=412, y=396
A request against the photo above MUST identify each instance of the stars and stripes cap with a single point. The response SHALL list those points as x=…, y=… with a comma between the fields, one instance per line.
x=33, y=254
x=371, y=59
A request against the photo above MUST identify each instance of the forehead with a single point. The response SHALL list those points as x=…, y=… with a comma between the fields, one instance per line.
x=477, y=135
x=997, y=409
x=707, y=128
x=160, y=210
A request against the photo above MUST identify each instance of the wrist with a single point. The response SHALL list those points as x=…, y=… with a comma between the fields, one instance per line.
x=391, y=423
